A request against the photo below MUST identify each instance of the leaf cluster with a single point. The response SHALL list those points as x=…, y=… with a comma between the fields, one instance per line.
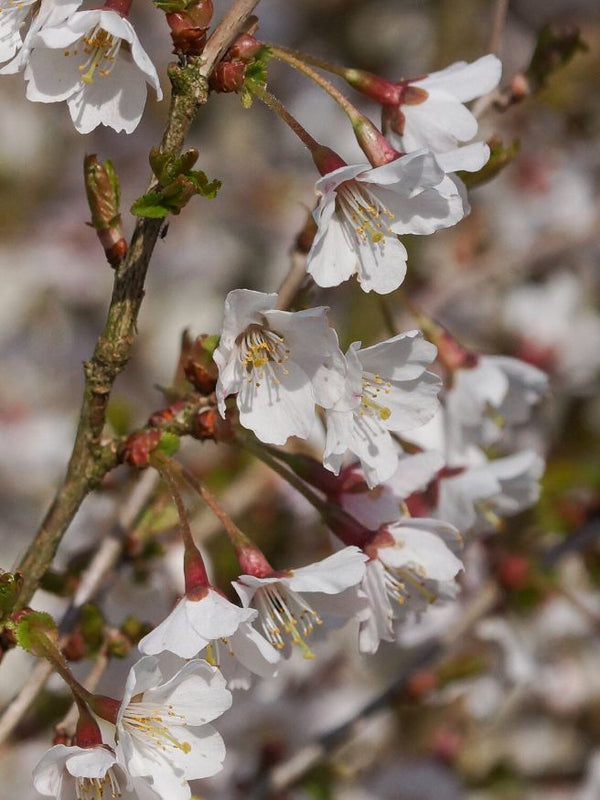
x=179, y=184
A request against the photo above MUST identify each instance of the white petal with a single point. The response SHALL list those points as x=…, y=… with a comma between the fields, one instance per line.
x=90, y=762
x=402, y=358
x=276, y=411
x=465, y=81
x=332, y=258
x=205, y=758
x=174, y=634
x=313, y=345
x=51, y=77
x=116, y=100
x=378, y=625
x=470, y=158
x=330, y=575
x=437, y=124
x=254, y=652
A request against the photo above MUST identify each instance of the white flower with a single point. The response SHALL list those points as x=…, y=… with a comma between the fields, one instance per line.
x=86, y=773
x=292, y=602
x=387, y=389
x=95, y=62
x=280, y=363
x=413, y=563
x=434, y=116
x=161, y=726
x=14, y=15
x=208, y=620
x=376, y=507
x=362, y=210
x=479, y=496
x=495, y=394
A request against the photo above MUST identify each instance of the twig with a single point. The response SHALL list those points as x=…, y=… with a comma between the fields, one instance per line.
x=90, y=459
x=92, y=580
x=500, y=13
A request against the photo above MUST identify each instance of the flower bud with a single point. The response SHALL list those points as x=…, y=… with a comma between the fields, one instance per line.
x=244, y=48
x=228, y=76
x=199, y=367
x=103, y=195
x=188, y=27
x=136, y=450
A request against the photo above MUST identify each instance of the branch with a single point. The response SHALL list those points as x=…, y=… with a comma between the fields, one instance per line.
x=92, y=580
x=91, y=460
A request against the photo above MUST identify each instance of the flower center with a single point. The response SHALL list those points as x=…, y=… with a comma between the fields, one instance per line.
x=101, y=49
x=399, y=583
x=95, y=788
x=263, y=352
x=285, y=613
x=373, y=386
x=147, y=721
x=364, y=211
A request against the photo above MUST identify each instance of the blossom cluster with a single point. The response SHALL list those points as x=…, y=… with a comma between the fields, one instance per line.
x=404, y=455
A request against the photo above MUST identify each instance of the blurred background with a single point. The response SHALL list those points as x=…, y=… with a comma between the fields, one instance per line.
x=512, y=708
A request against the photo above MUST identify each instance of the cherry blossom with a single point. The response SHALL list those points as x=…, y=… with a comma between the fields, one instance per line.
x=413, y=562
x=477, y=498
x=362, y=210
x=387, y=389
x=162, y=729
x=498, y=392
x=431, y=113
x=87, y=773
x=279, y=363
x=291, y=603
x=95, y=62
x=206, y=619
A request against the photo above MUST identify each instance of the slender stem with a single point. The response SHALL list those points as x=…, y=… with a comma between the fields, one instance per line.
x=313, y=498
x=166, y=470
x=306, y=58
x=90, y=460
x=235, y=534
x=275, y=105
x=285, y=55
x=46, y=648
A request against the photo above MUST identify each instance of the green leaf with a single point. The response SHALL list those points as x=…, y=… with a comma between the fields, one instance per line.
x=33, y=629
x=150, y=205
x=202, y=185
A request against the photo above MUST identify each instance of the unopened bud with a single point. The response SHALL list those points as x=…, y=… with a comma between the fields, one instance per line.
x=189, y=24
x=103, y=195
x=244, y=48
x=228, y=76
x=138, y=447
x=199, y=367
